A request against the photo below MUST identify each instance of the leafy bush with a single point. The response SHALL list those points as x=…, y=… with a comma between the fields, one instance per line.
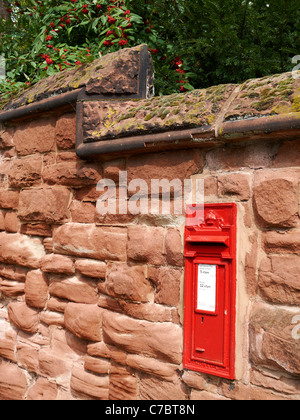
x=194, y=43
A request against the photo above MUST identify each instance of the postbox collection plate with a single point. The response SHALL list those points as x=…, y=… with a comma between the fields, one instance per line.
x=210, y=290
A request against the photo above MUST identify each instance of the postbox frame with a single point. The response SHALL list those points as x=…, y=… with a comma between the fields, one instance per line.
x=211, y=240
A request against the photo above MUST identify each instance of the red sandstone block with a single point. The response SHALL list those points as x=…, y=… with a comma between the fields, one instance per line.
x=13, y=383
x=8, y=339
x=84, y=321
x=128, y=282
x=52, y=364
x=236, y=186
x=282, y=242
x=2, y=218
x=11, y=288
x=6, y=138
x=83, y=212
x=23, y=317
x=42, y=390
x=28, y=355
x=288, y=155
x=11, y=222
x=37, y=136
x=152, y=388
x=169, y=165
x=89, y=268
x=66, y=131
x=20, y=250
x=89, y=241
x=234, y=158
x=13, y=273
x=48, y=205
x=36, y=229
x=95, y=365
x=279, y=279
x=167, y=281
x=272, y=343
x=276, y=196
x=73, y=289
x=146, y=244
x=123, y=384
x=9, y=199
x=157, y=340
x=36, y=289
x=25, y=172
x=174, y=248
x=86, y=383
x=58, y=264
x=72, y=174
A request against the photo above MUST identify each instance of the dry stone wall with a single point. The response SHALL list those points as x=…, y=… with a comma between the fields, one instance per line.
x=91, y=306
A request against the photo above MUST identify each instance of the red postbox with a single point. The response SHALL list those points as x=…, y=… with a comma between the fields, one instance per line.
x=210, y=289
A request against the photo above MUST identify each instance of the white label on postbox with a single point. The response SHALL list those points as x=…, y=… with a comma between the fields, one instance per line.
x=207, y=288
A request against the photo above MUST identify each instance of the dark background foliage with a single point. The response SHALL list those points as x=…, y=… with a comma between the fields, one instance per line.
x=194, y=43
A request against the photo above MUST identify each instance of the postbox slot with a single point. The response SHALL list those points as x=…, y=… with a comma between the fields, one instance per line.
x=208, y=239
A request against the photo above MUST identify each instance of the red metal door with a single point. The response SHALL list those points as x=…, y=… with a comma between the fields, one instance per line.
x=210, y=289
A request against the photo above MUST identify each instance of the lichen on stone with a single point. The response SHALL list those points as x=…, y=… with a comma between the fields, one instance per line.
x=271, y=95
x=173, y=112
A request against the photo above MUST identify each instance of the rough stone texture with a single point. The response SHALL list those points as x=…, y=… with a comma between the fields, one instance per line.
x=123, y=384
x=36, y=289
x=171, y=165
x=42, y=390
x=156, y=389
x=83, y=382
x=57, y=264
x=35, y=137
x=13, y=382
x=66, y=131
x=174, y=248
x=20, y=250
x=89, y=268
x=272, y=344
x=84, y=321
x=71, y=174
x=128, y=283
x=194, y=109
x=276, y=202
x=49, y=205
x=25, y=172
x=235, y=185
x=91, y=306
x=167, y=282
x=279, y=279
x=276, y=94
x=141, y=337
x=145, y=244
x=74, y=289
x=287, y=242
x=89, y=241
x=23, y=317
x=9, y=199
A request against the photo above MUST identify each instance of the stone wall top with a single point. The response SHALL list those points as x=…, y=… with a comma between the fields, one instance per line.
x=117, y=113
x=120, y=73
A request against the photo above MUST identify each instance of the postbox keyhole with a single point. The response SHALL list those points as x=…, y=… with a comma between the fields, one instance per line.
x=202, y=321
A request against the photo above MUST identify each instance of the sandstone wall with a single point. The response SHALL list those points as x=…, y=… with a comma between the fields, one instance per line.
x=91, y=307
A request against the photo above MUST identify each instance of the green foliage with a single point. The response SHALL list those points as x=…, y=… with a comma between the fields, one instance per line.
x=194, y=43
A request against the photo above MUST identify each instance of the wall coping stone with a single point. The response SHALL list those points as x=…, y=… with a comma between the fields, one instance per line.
x=117, y=113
